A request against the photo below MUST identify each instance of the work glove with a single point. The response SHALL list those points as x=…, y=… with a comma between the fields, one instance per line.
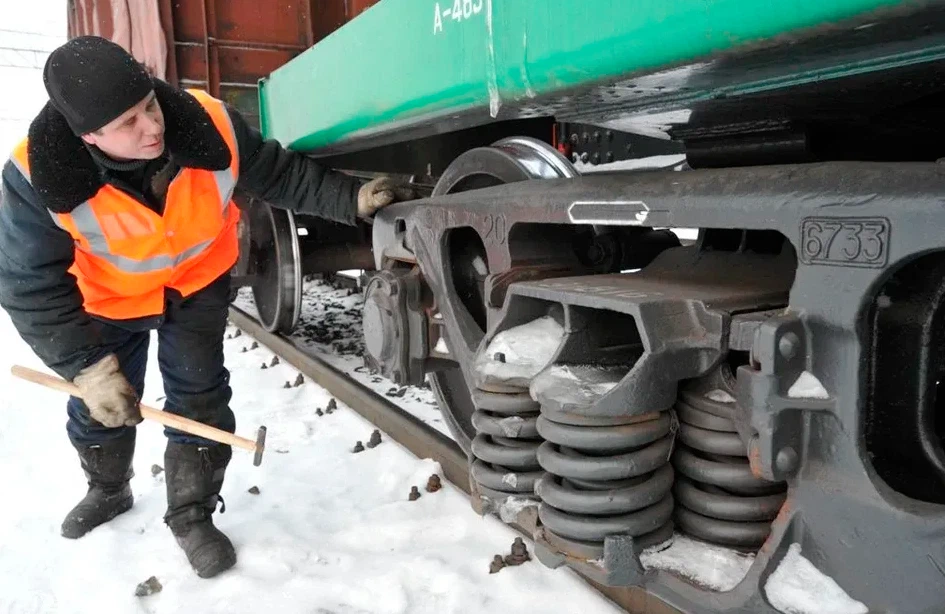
x=111, y=399
x=381, y=192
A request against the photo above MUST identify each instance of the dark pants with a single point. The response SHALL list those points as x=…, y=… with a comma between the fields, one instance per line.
x=190, y=356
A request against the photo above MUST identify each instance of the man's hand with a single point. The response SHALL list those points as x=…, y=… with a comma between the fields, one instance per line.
x=111, y=399
x=381, y=192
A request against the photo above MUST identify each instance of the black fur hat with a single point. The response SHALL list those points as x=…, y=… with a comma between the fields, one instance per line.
x=91, y=81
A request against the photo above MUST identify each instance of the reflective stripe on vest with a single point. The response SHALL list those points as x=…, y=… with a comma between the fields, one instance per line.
x=88, y=225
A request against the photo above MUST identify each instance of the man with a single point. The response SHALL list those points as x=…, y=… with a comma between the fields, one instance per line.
x=116, y=219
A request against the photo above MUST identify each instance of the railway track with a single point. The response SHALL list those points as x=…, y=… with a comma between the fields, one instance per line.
x=421, y=439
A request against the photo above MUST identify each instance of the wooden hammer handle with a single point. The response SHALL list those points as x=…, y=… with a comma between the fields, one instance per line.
x=167, y=419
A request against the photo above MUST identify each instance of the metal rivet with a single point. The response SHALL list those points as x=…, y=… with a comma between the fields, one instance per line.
x=786, y=460
x=788, y=345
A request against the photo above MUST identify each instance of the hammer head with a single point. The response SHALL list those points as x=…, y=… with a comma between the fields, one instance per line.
x=260, y=446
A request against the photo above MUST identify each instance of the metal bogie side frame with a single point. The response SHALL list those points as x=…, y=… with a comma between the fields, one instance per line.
x=863, y=234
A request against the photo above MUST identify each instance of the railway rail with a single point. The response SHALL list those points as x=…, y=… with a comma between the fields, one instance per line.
x=419, y=438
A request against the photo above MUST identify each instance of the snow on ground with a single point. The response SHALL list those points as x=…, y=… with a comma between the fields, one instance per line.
x=329, y=532
x=330, y=327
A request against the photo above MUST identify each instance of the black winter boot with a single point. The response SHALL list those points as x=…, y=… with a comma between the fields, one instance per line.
x=194, y=476
x=107, y=467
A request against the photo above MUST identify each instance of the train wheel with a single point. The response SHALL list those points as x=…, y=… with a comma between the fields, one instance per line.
x=276, y=267
x=506, y=161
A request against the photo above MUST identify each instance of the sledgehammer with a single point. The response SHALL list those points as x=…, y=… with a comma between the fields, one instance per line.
x=180, y=423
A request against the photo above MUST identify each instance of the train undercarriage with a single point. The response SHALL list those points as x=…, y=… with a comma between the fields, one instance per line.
x=769, y=381
x=775, y=381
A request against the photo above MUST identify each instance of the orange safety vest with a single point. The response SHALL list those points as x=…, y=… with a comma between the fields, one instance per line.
x=126, y=254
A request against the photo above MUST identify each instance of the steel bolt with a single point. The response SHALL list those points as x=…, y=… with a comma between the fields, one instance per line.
x=254, y=345
x=375, y=439
x=332, y=406
x=299, y=380
x=414, y=493
x=287, y=384
x=499, y=357
x=148, y=587
x=264, y=366
x=434, y=484
x=237, y=333
x=519, y=553
x=274, y=362
x=786, y=460
x=788, y=345
x=497, y=564
x=358, y=447
x=253, y=490
x=319, y=412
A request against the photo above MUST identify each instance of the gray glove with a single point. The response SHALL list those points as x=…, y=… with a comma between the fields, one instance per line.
x=111, y=399
x=381, y=192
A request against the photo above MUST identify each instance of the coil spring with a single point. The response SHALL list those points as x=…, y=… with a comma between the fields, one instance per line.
x=506, y=444
x=720, y=500
x=606, y=478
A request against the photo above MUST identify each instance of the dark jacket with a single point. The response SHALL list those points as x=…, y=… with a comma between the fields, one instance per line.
x=36, y=289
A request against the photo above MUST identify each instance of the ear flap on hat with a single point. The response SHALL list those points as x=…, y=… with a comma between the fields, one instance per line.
x=62, y=171
x=189, y=132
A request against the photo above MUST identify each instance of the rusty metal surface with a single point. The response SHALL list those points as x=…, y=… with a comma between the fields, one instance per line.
x=133, y=24
x=226, y=47
x=420, y=439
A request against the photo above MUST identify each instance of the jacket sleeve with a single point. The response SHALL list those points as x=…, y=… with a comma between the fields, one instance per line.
x=290, y=180
x=36, y=289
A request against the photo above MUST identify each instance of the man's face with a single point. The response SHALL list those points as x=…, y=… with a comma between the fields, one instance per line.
x=136, y=134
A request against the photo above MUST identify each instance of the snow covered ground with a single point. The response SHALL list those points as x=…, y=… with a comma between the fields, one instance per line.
x=330, y=327
x=329, y=532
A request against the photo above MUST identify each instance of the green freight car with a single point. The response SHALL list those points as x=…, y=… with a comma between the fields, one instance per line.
x=761, y=391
